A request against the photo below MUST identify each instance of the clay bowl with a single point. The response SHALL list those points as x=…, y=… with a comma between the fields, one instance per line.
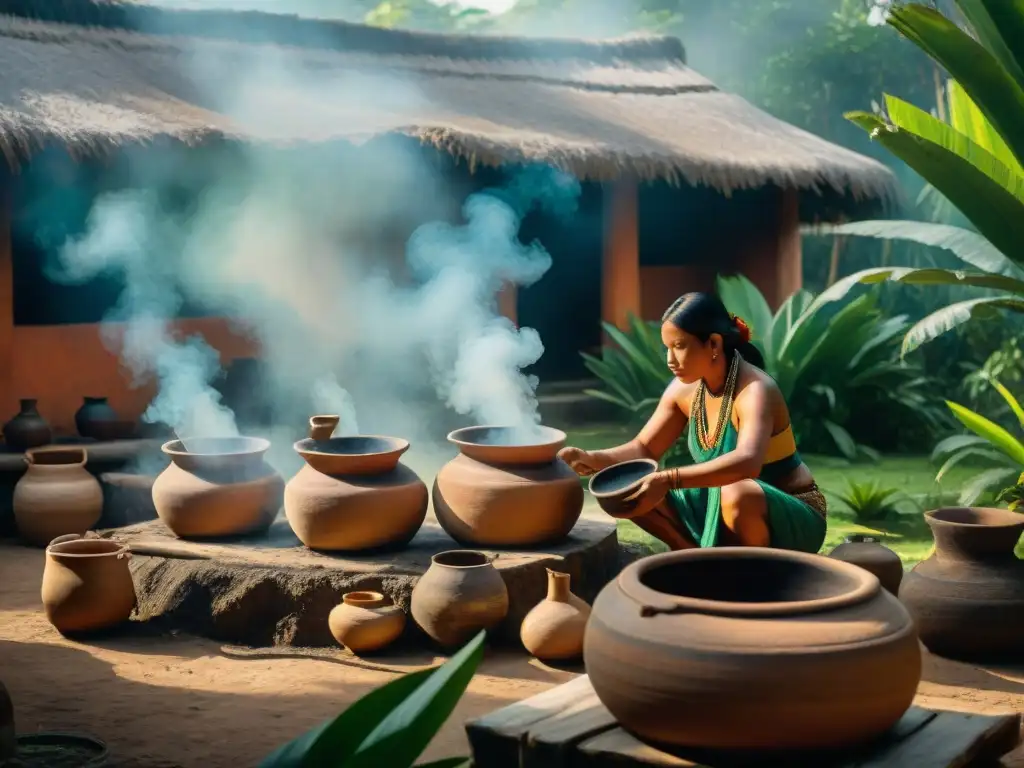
x=353, y=455
x=612, y=485
x=216, y=453
x=509, y=445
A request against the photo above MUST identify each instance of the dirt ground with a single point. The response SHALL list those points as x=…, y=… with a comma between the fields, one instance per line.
x=172, y=701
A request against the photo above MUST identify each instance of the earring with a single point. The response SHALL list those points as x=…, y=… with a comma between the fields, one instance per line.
x=714, y=357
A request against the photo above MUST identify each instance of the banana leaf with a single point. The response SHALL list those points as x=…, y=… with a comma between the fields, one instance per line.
x=1011, y=401
x=988, y=481
x=966, y=118
x=989, y=430
x=947, y=318
x=742, y=297
x=999, y=25
x=986, y=81
x=994, y=211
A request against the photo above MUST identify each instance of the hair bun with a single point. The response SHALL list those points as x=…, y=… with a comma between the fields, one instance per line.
x=742, y=327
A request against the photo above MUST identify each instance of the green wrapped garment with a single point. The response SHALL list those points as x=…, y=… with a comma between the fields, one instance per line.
x=792, y=523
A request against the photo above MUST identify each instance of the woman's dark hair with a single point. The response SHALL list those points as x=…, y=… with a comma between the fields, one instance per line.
x=702, y=314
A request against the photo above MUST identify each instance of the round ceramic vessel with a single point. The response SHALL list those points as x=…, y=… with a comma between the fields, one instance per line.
x=27, y=429
x=612, y=485
x=353, y=494
x=869, y=553
x=553, y=629
x=967, y=598
x=460, y=594
x=803, y=651
x=366, y=621
x=57, y=495
x=217, y=486
x=87, y=584
x=512, y=446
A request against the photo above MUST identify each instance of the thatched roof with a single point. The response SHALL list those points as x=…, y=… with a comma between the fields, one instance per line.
x=94, y=74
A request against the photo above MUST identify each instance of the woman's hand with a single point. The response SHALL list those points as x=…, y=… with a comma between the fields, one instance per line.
x=651, y=493
x=581, y=462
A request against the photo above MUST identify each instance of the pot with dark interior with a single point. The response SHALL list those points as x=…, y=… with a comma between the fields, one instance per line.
x=613, y=485
x=507, y=488
x=353, y=492
x=748, y=648
x=217, y=486
x=967, y=598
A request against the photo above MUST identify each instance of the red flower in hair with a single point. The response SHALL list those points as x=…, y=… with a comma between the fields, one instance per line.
x=742, y=327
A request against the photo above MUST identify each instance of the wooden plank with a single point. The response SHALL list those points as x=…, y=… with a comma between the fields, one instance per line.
x=496, y=738
x=952, y=740
x=1013, y=759
x=550, y=742
x=618, y=749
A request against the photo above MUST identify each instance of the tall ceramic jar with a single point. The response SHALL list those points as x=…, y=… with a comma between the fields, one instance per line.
x=871, y=555
x=87, y=584
x=553, y=629
x=56, y=495
x=460, y=594
x=366, y=621
x=749, y=648
x=967, y=598
x=217, y=486
x=507, y=488
x=27, y=429
x=353, y=492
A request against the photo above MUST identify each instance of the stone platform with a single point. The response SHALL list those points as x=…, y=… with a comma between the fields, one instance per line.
x=269, y=589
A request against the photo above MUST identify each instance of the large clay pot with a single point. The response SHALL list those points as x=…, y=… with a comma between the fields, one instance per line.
x=967, y=598
x=97, y=420
x=8, y=736
x=217, y=486
x=366, y=621
x=507, y=488
x=553, y=629
x=871, y=555
x=748, y=648
x=353, y=493
x=460, y=594
x=56, y=495
x=87, y=584
x=27, y=429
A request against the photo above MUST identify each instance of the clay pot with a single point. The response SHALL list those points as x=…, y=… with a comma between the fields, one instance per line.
x=748, y=648
x=353, y=494
x=97, y=420
x=56, y=495
x=322, y=427
x=612, y=485
x=8, y=735
x=27, y=429
x=869, y=554
x=217, y=486
x=553, y=629
x=87, y=584
x=967, y=598
x=501, y=491
x=366, y=621
x=460, y=594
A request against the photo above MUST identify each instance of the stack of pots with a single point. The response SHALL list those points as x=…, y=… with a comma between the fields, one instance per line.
x=507, y=488
x=353, y=493
x=217, y=486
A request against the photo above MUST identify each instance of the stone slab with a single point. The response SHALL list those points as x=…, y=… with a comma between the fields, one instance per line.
x=269, y=589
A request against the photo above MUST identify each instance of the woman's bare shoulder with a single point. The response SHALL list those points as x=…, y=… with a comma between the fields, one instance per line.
x=681, y=393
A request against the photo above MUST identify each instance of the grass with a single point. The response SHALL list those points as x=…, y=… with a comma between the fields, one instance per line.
x=906, y=532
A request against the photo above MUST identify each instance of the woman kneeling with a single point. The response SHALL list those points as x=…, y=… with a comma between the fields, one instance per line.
x=748, y=485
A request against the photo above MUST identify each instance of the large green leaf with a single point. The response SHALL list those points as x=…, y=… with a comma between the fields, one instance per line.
x=999, y=25
x=989, y=430
x=939, y=322
x=989, y=481
x=992, y=209
x=966, y=118
x=987, y=82
x=402, y=735
x=907, y=117
x=968, y=246
x=1011, y=401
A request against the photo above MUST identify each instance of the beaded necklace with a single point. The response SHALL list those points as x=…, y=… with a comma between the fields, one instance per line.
x=724, y=412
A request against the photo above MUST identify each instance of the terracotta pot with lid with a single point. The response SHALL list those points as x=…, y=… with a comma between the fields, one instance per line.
x=507, y=488
x=748, y=648
x=57, y=495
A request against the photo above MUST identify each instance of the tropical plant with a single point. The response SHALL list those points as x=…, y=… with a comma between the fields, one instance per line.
x=999, y=450
x=391, y=725
x=871, y=502
x=973, y=160
x=832, y=368
x=1014, y=495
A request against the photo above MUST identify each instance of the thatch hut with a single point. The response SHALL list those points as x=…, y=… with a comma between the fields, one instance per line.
x=687, y=180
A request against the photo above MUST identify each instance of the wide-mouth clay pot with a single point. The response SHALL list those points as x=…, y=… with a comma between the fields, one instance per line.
x=217, y=454
x=354, y=455
x=684, y=648
x=509, y=445
x=366, y=621
x=613, y=485
x=967, y=598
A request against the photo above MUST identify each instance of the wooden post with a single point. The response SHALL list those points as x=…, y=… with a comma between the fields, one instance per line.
x=508, y=302
x=620, y=277
x=790, y=262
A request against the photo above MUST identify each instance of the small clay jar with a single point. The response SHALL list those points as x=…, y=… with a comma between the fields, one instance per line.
x=96, y=419
x=56, y=495
x=553, y=629
x=27, y=429
x=366, y=621
x=460, y=594
x=87, y=584
x=8, y=735
x=872, y=556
